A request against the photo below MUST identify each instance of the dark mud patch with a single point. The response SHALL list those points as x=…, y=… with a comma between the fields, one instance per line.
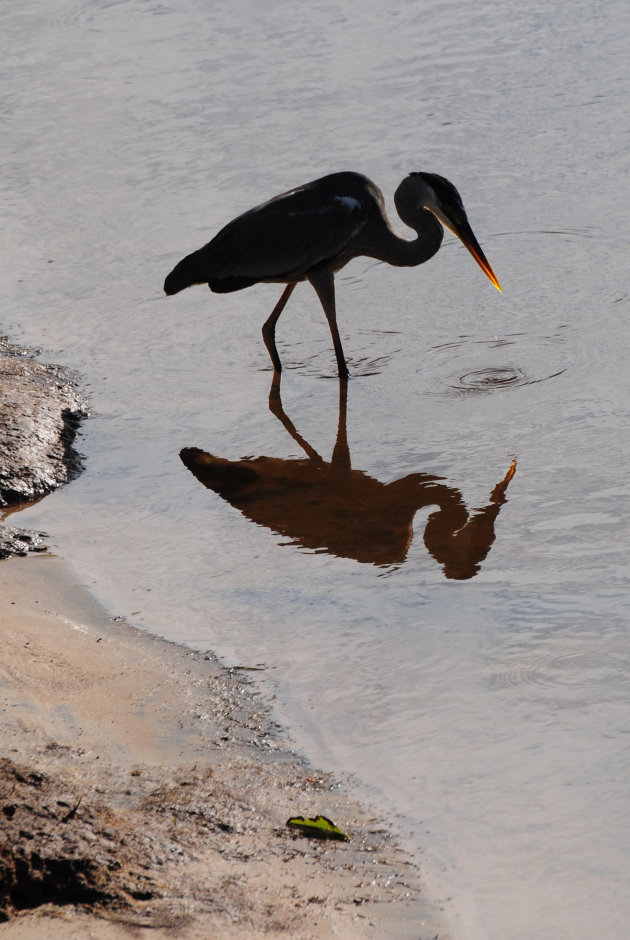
x=190, y=852
x=59, y=847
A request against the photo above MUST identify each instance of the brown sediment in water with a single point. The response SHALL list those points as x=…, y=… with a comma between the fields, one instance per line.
x=144, y=785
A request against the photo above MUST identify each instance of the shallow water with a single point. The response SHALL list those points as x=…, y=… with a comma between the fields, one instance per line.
x=488, y=709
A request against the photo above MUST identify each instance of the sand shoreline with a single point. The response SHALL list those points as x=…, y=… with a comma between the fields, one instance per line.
x=177, y=785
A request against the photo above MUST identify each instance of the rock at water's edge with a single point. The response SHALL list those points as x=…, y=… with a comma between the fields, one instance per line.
x=41, y=408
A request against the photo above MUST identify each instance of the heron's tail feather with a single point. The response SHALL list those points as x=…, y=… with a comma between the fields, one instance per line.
x=184, y=274
x=198, y=268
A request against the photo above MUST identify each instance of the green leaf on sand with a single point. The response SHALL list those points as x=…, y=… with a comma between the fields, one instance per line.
x=318, y=828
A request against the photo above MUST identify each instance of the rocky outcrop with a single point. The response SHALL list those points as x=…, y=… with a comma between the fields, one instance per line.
x=41, y=408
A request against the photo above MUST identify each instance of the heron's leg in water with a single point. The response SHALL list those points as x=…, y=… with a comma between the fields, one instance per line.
x=269, y=327
x=324, y=283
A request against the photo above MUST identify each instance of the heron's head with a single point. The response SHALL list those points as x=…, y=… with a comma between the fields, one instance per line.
x=440, y=197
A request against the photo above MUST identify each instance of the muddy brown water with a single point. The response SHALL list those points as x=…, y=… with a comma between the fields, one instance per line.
x=486, y=713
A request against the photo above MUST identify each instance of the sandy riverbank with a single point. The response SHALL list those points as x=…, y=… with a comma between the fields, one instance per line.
x=146, y=787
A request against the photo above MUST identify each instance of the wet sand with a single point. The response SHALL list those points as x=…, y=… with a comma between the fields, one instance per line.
x=145, y=786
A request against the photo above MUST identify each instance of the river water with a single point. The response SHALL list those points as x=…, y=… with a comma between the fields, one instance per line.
x=476, y=688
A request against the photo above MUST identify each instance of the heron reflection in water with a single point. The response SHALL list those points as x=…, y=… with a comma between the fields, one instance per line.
x=329, y=507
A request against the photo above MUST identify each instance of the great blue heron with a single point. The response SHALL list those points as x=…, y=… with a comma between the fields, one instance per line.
x=310, y=232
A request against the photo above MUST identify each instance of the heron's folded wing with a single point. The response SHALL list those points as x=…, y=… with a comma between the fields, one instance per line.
x=289, y=235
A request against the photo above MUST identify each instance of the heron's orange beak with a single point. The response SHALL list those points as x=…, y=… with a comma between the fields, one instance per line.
x=484, y=264
x=465, y=233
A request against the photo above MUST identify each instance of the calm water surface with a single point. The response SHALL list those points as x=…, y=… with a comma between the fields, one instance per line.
x=483, y=706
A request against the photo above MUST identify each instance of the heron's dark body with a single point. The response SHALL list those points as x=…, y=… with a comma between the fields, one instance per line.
x=323, y=224
x=312, y=231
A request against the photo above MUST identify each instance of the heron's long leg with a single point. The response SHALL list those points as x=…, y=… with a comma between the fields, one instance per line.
x=269, y=327
x=324, y=283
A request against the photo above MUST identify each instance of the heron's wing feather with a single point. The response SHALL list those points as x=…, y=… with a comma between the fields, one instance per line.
x=286, y=236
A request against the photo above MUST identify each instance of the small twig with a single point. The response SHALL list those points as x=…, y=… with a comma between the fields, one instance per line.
x=72, y=813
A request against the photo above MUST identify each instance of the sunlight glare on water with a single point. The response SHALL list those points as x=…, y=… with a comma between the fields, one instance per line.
x=467, y=659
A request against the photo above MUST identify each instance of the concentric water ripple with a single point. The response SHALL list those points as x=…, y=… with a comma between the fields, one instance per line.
x=490, y=378
x=568, y=669
x=482, y=366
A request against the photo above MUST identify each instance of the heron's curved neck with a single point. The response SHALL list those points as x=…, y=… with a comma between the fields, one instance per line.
x=381, y=241
x=408, y=252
